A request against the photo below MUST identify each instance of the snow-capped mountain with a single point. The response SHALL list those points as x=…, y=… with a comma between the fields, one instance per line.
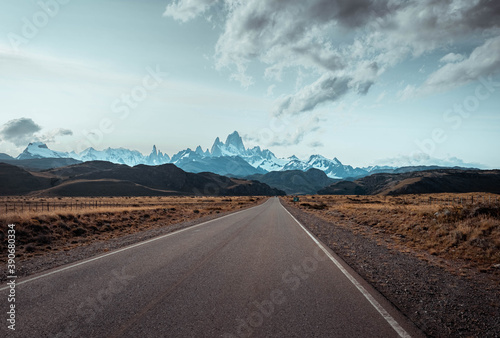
x=40, y=150
x=332, y=168
x=263, y=160
x=118, y=155
x=157, y=157
x=225, y=158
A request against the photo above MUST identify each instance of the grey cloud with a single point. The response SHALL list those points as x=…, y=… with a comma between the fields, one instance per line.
x=485, y=14
x=452, y=57
x=20, y=131
x=350, y=13
x=425, y=159
x=360, y=38
x=185, y=10
x=64, y=132
x=482, y=62
x=50, y=136
x=420, y=26
x=363, y=87
x=316, y=144
x=327, y=88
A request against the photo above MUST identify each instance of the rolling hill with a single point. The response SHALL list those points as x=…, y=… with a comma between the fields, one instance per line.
x=430, y=181
x=101, y=178
x=295, y=181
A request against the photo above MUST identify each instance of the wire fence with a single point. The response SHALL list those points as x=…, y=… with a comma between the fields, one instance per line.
x=465, y=200
x=42, y=206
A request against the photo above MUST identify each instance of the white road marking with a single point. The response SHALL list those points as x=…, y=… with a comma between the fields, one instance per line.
x=125, y=248
x=392, y=322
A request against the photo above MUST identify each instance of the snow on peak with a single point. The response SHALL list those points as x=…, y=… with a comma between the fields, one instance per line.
x=262, y=159
x=40, y=150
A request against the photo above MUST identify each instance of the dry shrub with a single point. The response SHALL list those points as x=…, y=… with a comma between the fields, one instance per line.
x=65, y=228
x=450, y=230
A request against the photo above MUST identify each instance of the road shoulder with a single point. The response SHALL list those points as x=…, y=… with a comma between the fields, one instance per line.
x=438, y=302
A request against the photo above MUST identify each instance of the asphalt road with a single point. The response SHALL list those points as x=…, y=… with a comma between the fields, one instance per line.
x=254, y=273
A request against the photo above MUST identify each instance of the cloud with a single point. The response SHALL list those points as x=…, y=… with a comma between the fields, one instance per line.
x=421, y=159
x=287, y=130
x=50, y=136
x=482, y=62
x=326, y=88
x=20, y=131
x=316, y=144
x=452, y=57
x=352, y=41
x=185, y=10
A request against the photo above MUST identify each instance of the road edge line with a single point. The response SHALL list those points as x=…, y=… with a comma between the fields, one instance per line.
x=383, y=312
x=126, y=248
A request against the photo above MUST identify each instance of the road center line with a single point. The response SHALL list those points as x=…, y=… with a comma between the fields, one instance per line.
x=392, y=322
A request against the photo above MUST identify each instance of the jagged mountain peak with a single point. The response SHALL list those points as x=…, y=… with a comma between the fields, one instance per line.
x=222, y=158
x=234, y=144
x=234, y=139
x=40, y=150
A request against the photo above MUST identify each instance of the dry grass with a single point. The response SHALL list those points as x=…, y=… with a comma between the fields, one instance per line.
x=464, y=232
x=40, y=232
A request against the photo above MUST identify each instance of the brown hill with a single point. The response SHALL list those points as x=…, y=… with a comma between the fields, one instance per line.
x=17, y=181
x=38, y=164
x=100, y=178
x=295, y=181
x=71, y=171
x=423, y=182
x=98, y=188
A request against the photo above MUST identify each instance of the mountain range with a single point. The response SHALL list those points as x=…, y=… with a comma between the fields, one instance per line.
x=229, y=158
x=419, y=182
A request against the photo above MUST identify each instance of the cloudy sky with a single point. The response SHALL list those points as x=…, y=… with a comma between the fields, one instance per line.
x=389, y=82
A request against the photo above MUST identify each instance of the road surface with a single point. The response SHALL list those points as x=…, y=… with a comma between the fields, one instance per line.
x=254, y=273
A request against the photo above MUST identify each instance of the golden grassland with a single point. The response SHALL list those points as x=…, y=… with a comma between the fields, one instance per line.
x=444, y=225
x=56, y=229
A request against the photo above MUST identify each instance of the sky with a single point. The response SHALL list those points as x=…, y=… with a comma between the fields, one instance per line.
x=397, y=82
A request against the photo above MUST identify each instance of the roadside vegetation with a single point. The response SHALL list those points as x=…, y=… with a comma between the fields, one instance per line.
x=71, y=222
x=460, y=227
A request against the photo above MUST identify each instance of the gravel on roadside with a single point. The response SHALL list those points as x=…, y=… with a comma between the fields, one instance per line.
x=439, y=302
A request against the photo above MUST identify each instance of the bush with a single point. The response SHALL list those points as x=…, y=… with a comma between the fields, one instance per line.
x=43, y=239
x=79, y=231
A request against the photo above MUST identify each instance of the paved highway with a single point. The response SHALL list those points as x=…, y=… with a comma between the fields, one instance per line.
x=254, y=273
